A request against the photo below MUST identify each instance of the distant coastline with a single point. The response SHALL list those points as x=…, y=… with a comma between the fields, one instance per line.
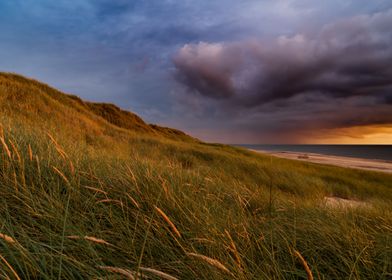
x=372, y=152
x=378, y=165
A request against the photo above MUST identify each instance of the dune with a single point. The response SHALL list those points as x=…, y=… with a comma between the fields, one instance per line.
x=91, y=191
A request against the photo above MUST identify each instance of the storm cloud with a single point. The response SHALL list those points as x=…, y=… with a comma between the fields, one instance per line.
x=252, y=71
x=351, y=57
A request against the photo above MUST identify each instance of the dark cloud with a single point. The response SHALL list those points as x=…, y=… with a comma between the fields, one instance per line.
x=208, y=69
x=388, y=97
x=340, y=77
x=348, y=58
x=302, y=119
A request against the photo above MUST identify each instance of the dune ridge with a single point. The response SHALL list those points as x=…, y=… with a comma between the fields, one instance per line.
x=92, y=192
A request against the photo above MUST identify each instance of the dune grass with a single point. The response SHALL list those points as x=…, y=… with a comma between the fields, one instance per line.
x=122, y=204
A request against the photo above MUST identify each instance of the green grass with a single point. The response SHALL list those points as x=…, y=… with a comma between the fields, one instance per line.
x=101, y=175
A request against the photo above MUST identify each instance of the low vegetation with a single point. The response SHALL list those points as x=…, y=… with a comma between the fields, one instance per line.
x=89, y=191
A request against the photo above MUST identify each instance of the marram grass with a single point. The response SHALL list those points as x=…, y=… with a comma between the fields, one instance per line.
x=80, y=198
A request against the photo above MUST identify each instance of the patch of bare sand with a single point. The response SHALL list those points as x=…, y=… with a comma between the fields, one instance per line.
x=337, y=202
x=348, y=162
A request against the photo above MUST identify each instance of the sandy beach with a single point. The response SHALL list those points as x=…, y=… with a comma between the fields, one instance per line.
x=349, y=162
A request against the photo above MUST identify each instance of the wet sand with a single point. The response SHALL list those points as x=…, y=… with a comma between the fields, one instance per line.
x=349, y=162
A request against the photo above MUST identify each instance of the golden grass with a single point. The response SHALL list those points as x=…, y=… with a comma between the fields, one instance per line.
x=233, y=249
x=30, y=151
x=158, y=273
x=10, y=267
x=5, y=146
x=95, y=190
x=113, y=201
x=202, y=240
x=61, y=174
x=212, y=262
x=125, y=272
x=168, y=221
x=134, y=202
x=15, y=150
x=7, y=238
x=304, y=264
x=71, y=167
x=56, y=107
x=217, y=201
x=58, y=148
x=91, y=239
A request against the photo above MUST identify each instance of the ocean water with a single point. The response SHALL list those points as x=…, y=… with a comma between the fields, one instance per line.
x=380, y=152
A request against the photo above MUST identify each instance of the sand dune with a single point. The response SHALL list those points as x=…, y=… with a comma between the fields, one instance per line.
x=358, y=163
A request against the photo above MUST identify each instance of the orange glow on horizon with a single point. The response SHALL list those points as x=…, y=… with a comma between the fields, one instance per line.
x=378, y=135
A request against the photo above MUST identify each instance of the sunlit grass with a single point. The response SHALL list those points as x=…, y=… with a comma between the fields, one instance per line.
x=82, y=198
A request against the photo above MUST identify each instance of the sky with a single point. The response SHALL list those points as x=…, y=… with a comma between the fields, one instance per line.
x=229, y=71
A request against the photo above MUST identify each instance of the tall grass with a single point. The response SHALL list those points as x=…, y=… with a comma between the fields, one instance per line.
x=125, y=204
x=227, y=206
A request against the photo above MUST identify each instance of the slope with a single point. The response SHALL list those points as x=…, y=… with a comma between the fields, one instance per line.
x=35, y=102
x=88, y=191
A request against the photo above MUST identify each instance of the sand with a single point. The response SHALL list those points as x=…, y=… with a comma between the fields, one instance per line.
x=349, y=162
x=337, y=202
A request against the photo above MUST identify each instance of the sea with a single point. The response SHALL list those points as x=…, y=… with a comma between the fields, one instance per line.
x=378, y=152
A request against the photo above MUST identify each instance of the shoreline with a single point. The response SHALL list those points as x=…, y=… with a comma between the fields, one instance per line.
x=341, y=161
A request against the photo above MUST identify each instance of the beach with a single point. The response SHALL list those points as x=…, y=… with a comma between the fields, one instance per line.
x=348, y=162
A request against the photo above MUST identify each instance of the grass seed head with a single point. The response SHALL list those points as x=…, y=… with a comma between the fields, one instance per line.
x=90, y=238
x=125, y=272
x=168, y=221
x=7, y=238
x=304, y=264
x=6, y=149
x=213, y=262
x=158, y=273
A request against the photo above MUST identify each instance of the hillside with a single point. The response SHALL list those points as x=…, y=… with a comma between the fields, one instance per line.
x=36, y=102
x=90, y=191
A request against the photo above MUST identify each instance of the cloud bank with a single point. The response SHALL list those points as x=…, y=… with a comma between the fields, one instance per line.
x=347, y=58
x=340, y=77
